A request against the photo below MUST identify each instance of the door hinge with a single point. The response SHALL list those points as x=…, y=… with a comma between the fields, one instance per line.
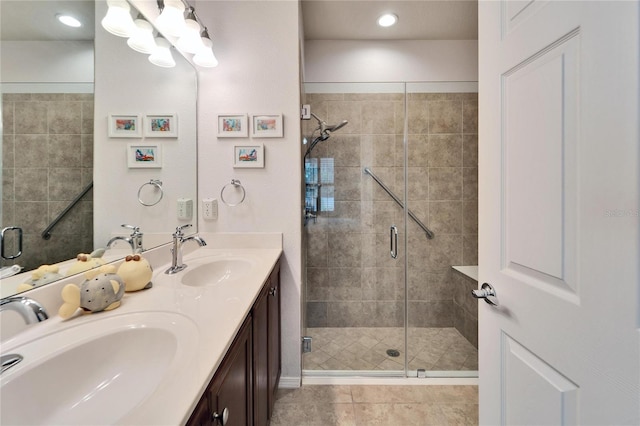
x=305, y=112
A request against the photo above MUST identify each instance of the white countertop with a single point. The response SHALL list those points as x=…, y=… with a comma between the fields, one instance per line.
x=216, y=311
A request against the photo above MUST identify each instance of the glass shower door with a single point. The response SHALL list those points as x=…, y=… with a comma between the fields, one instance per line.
x=354, y=293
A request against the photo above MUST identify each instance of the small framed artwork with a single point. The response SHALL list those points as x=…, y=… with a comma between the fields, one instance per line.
x=267, y=126
x=233, y=126
x=161, y=125
x=125, y=126
x=248, y=156
x=144, y=156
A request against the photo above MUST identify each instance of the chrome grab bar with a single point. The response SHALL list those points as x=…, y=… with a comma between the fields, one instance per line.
x=46, y=234
x=399, y=202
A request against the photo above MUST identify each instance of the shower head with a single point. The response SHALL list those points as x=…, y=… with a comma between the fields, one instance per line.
x=324, y=127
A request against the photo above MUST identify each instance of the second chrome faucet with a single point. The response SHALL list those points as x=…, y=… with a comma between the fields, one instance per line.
x=176, y=249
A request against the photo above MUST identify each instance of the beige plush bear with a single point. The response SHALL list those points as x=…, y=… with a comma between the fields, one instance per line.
x=86, y=262
x=136, y=273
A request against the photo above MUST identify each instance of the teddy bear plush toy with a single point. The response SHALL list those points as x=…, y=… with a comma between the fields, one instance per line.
x=136, y=273
x=86, y=262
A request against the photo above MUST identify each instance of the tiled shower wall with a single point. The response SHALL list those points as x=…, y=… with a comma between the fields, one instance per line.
x=351, y=279
x=47, y=156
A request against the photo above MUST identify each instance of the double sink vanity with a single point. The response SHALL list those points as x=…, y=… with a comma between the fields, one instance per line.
x=201, y=347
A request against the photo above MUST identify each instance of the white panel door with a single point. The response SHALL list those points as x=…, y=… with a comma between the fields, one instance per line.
x=559, y=226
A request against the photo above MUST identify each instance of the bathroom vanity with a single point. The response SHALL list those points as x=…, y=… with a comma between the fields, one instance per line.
x=201, y=346
x=243, y=389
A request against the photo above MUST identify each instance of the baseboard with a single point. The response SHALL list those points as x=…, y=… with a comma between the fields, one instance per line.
x=290, y=382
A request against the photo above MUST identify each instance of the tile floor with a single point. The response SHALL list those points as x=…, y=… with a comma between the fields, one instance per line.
x=394, y=405
x=362, y=348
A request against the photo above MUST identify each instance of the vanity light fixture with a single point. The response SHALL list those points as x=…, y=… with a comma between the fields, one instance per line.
x=205, y=57
x=69, y=20
x=192, y=36
x=142, y=40
x=387, y=20
x=118, y=19
x=162, y=56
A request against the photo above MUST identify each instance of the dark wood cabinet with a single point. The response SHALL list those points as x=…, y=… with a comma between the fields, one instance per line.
x=274, y=348
x=246, y=381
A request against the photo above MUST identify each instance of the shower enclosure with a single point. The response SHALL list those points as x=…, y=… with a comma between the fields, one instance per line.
x=390, y=206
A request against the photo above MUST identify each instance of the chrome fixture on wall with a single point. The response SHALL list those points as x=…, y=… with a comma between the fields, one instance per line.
x=192, y=36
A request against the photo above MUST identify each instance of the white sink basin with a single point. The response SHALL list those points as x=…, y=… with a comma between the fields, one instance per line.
x=217, y=271
x=96, y=372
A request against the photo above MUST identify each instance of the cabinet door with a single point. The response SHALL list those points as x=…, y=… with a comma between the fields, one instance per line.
x=261, y=358
x=231, y=388
x=274, y=336
x=201, y=416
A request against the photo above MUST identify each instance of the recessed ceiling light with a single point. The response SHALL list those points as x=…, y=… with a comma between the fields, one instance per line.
x=69, y=20
x=387, y=20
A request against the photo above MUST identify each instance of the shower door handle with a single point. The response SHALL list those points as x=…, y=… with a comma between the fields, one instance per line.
x=16, y=230
x=393, y=237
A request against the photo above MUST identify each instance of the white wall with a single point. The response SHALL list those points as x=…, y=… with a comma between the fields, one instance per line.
x=257, y=45
x=390, y=60
x=50, y=61
x=127, y=83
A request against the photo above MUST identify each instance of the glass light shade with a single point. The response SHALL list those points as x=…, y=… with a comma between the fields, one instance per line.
x=162, y=55
x=205, y=56
x=171, y=19
x=142, y=40
x=190, y=41
x=118, y=19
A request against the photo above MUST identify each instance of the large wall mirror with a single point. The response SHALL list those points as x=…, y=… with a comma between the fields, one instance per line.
x=62, y=92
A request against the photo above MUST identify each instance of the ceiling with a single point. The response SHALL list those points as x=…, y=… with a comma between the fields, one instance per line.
x=417, y=19
x=322, y=19
x=35, y=20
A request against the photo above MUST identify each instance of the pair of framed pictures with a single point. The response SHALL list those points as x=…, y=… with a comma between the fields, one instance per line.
x=262, y=126
x=133, y=126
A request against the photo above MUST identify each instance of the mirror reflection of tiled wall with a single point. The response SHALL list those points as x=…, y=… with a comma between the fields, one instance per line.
x=47, y=154
x=352, y=281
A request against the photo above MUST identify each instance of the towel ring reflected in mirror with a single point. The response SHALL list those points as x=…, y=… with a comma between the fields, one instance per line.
x=156, y=187
x=235, y=183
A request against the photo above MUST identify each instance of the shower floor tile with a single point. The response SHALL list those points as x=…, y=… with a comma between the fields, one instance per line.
x=365, y=348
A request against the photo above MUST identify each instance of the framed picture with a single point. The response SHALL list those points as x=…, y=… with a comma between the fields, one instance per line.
x=161, y=125
x=233, y=126
x=248, y=156
x=267, y=126
x=125, y=126
x=144, y=156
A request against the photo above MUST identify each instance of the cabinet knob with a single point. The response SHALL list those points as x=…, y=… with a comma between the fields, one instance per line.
x=273, y=291
x=221, y=418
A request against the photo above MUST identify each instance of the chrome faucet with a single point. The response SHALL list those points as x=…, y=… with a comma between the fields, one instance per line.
x=30, y=310
x=176, y=250
x=134, y=240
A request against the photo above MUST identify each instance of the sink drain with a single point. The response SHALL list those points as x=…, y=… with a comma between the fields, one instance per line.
x=393, y=352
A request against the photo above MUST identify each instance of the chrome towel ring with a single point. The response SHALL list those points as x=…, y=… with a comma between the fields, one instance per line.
x=235, y=183
x=157, y=184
